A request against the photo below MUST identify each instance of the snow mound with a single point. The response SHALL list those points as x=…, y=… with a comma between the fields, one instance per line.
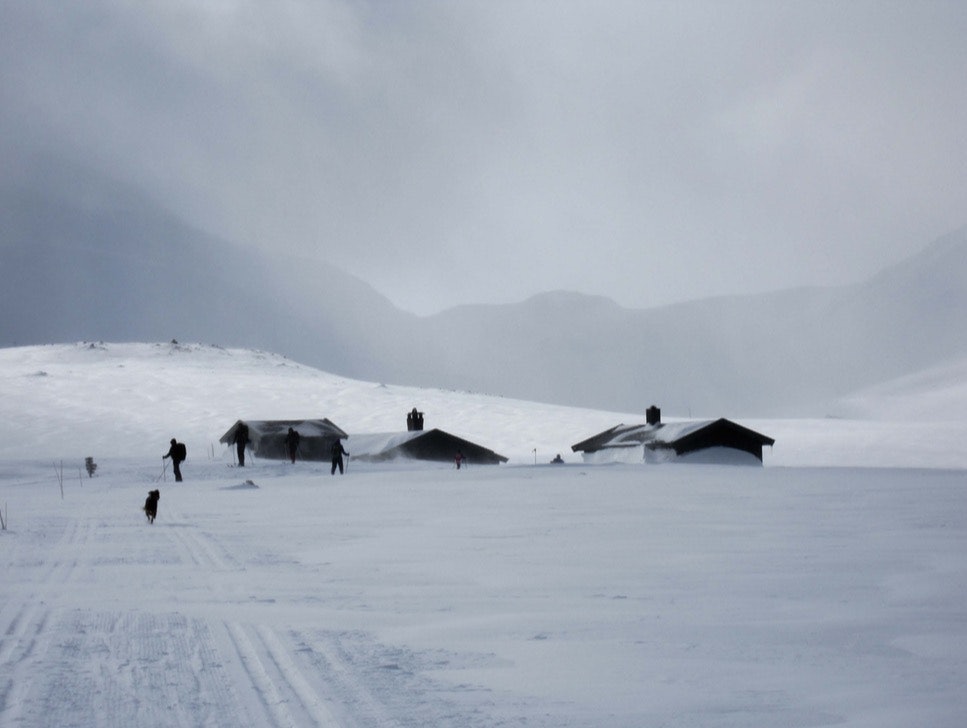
x=247, y=485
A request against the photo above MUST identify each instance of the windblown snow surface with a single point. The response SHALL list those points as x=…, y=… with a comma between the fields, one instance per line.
x=827, y=588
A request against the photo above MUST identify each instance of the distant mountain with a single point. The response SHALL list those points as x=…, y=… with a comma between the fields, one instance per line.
x=86, y=258
x=771, y=353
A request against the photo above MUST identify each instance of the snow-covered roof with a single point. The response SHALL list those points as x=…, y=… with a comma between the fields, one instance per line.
x=682, y=437
x=431, y=444
x=264, y=428
x=374, y=443
x=619, y=436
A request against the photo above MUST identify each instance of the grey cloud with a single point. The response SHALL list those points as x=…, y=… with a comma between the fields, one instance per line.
x=448, y=153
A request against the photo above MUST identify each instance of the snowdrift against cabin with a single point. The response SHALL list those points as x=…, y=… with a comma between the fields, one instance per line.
x=416, y=444
x=719, y=441
x=432, y=445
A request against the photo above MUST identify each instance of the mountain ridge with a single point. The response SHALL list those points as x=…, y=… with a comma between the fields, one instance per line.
x=90, y=259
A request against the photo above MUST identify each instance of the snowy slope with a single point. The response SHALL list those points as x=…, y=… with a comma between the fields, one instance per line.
x=938, y=393
x=113, y=400
x=130, y=399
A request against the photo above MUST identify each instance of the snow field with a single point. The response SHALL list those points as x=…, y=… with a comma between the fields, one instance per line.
x=414, y=594
x=571, y=595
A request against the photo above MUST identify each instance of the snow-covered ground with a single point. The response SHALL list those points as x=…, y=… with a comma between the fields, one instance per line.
x=818, y=590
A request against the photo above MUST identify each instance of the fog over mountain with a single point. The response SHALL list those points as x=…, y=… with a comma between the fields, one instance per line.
x=88, y=258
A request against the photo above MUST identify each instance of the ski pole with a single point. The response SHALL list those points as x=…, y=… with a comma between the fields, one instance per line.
x=164, y=469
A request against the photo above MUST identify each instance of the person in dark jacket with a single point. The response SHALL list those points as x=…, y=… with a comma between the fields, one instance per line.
x=241, y=441
x=292, y=443
x=337, y=453
x=177, y=454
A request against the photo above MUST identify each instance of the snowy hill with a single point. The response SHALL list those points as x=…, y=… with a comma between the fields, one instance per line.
x=936, y=394
x=119, y=400
x=130, y=399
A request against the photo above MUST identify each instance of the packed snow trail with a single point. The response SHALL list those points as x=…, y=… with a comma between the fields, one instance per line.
x=187, y=635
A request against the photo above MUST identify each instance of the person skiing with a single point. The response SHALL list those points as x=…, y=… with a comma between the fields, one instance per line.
x=292, y=444
x=178, y=454
x=337, y=453
x=458, y=459
x=241, y=440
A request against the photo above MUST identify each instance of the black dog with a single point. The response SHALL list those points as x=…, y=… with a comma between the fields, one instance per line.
x=151, y=505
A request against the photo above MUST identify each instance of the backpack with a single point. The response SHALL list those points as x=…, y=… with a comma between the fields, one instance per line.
x=181, y=452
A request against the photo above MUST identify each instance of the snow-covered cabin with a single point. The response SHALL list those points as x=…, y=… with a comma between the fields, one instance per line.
x=711, y=441
x=267, y=438
x=419, y=444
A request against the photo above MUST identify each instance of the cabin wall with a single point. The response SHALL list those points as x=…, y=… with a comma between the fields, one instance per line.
x=272, y=447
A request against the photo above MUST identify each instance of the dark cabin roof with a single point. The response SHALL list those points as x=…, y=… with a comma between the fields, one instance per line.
x=682, y=437
x=434, y=445
x=267, y=437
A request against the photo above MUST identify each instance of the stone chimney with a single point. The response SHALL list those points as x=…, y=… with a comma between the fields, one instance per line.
x=414, y=421
x=653, y=415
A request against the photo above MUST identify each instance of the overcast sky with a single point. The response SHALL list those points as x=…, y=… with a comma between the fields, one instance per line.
x=459, y=152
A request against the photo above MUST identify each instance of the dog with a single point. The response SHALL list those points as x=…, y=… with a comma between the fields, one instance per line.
x=151, y=505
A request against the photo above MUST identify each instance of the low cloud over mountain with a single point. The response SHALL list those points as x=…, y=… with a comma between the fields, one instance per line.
x=85, y=258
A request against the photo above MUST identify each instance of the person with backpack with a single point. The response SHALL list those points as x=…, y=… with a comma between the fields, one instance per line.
x=178, y=454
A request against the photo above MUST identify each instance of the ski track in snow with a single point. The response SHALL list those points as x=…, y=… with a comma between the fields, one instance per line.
x=141, y=681
x=68, y=660
x=25, y=620
x=295, y=679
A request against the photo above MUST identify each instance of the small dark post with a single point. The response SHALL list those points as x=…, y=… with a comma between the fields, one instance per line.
x=653, y=415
